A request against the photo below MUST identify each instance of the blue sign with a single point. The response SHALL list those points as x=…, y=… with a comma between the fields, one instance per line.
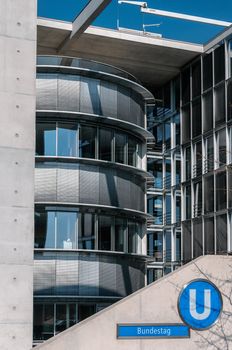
x=130, y=331
x=200, y=304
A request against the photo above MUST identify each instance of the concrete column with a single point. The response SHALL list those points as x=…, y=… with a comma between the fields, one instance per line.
x=17, y=130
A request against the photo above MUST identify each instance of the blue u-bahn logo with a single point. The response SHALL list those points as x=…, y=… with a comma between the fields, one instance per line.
x=200, y=304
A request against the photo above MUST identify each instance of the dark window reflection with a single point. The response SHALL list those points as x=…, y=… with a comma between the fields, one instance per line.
x=87, y=142
x=221, y=190
x=44, y=229
x=185, y=86
x=196, y=79
x=219, y=64
x=197, y=239
x=132, y=152
x=104, y=232
x=207, y=71
x=132, y=236
x=46, y=139
x=86, y=239
x=220, y=104
x=187, y=245
x=209, y=194
x=209, y=235
x=186, y=125
x=61, y=318
x=208, y=111
x=196, y=118
x=105, y=141
x=120, y=231
x=221, y=230
x=120, y=147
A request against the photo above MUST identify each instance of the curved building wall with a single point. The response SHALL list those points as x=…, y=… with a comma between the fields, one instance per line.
x=90, y=188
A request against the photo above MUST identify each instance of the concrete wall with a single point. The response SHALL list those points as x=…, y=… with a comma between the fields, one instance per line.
x=156, y=303
x=17, y=124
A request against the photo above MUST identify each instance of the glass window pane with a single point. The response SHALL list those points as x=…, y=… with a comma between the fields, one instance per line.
x=221, y=232
x=209, y=235
x=168, y=214
x=155, y=245
x=120, y=230
x=207, y=71
x=220, y=104
x=132, y=237
x=72, y=314
x=176, y=121
x=178, y=209
x=221, y=148
x=155, y=167
x=67, y=140
x=197, y=239
x=104, y=232
x=197, y=166
x=185, y=79
x=61, y=318
x=167, y=134
x=105, y=141
x=46, y=139
x=177, y=93
x=196, y=79
x=229, y=100
x=167, y=98
x=132, y=152
x=87, y=142
x=120, y=146
x=186, y=124
x=209, y=194
x=221, y=190
x=197, y=204
x=66, y=230
x=219, y=64
x=188, y=202
x=44, y=229
x=86, y=235
x=155, y=208
x=187, y=238
x=85, y=310
x=209, y=161
x=208, y=111
x=168, y=246
x=196, y=118
x=187, y=163
x=178, y=246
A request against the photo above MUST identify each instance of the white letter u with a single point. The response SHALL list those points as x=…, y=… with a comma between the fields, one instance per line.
x=193, y=306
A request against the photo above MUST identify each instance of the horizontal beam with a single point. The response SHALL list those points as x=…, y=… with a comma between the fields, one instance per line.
x=185, y=17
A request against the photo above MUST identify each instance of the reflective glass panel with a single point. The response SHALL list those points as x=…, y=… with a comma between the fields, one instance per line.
x=66, y=230
x=120, y=231
x=67, y=140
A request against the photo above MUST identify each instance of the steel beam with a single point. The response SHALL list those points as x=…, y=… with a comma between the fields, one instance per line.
x=185, y=17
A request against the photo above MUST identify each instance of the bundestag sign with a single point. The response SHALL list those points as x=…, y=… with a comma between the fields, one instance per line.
x=199, y=306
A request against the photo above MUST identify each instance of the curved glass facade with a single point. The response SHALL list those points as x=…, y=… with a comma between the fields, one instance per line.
x=90, y=188
x=60, y=139
x=72, y=229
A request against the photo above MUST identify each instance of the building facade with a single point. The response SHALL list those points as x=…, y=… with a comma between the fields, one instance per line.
x=90, y=190
x=190, y=198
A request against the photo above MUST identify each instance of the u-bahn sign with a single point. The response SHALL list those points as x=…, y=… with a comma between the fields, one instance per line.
x=200, y=304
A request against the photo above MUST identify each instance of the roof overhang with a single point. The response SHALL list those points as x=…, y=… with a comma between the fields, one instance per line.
x=152, y=60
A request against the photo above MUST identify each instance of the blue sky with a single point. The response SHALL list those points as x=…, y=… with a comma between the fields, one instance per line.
x=130, y=16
